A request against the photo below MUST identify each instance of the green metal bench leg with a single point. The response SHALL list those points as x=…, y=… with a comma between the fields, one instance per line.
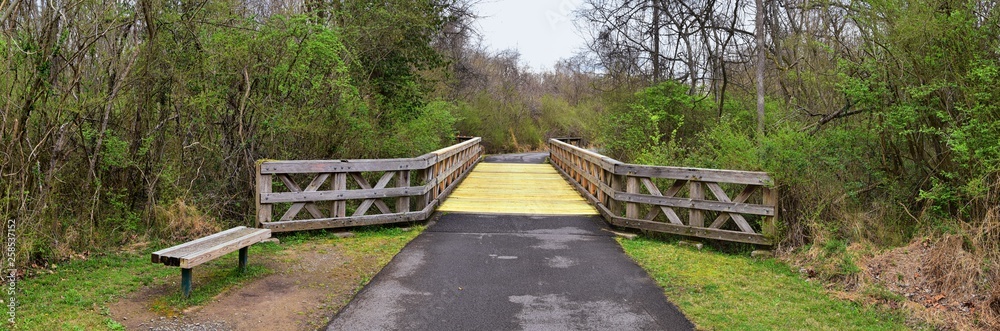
x=186, y=281
x=243, y=258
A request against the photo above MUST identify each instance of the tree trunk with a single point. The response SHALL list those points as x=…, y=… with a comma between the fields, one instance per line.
x=655, y=31
x=759, y=34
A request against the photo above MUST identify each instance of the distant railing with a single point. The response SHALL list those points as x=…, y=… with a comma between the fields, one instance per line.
x=415, y=186
x=575, y=141
x=629, y=195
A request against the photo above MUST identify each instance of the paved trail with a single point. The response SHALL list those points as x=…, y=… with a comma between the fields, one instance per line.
x=512, y=272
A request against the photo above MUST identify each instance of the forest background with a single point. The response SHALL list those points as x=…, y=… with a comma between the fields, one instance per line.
x=125, y=123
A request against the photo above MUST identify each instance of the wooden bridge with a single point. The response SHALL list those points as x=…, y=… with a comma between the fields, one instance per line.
x=345, y=193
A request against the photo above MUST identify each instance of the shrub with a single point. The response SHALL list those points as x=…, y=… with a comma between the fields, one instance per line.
x=652, y=117
x=180, y=222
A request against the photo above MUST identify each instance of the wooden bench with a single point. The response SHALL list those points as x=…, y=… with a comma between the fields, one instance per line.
x=201, y=250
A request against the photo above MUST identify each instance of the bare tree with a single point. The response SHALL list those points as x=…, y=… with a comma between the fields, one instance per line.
x=759, y=64
x=691, y=41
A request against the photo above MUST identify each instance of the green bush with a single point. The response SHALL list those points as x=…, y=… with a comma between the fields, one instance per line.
x=429, y=131
x=652, y=118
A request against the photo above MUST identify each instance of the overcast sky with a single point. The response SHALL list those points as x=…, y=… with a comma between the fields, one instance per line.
x=541, y=30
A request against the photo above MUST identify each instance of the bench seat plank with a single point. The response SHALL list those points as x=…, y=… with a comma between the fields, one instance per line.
x=239, y=236
x=174, y=257
x=160, y=256
x=222, y=248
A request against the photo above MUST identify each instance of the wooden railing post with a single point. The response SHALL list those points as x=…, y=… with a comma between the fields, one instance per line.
x=339, y=183
x=263, y=186
x=631, y=186
x=403, y=180
x=436, y=178
x=601, y=196
x=579, y=174
x=616, y=186
x=769, y=225
x=696, y=218
x=424, y=177
x=591, y=186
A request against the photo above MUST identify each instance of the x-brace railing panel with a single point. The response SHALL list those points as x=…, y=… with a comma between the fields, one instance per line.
x=630, y=195
x=404, y=189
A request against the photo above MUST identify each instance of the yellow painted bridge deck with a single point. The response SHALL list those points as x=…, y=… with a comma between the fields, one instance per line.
x=516, y=188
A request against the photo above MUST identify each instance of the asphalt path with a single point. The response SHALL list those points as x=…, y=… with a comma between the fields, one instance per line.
x=511, y=272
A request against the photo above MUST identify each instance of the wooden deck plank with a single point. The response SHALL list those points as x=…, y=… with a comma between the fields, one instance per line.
x=532, y=176
x=509, y=188
x=513, y=195
x=521, y=168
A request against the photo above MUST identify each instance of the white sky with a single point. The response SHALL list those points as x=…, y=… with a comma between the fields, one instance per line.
x=541, y=30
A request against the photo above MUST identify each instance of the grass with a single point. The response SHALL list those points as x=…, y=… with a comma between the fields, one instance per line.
x=76, y=295
x=729, y=292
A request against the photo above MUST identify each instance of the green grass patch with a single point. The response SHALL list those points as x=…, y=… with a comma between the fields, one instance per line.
x=76, y=295
x=728, y=292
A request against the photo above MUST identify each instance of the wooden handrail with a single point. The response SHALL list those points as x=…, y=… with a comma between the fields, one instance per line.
x=419, y=185
x=451, y=150
x=616, y=189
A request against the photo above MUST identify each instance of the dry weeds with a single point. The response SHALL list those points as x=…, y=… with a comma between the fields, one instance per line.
x=944, y=283
x=183, y=222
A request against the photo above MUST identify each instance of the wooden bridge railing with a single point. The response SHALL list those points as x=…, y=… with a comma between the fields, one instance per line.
x=629, y=195
x=414, y=186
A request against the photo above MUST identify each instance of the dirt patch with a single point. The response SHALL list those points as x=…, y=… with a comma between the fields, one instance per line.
x=941, y=281
x=948, y=282
x=311, y=283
